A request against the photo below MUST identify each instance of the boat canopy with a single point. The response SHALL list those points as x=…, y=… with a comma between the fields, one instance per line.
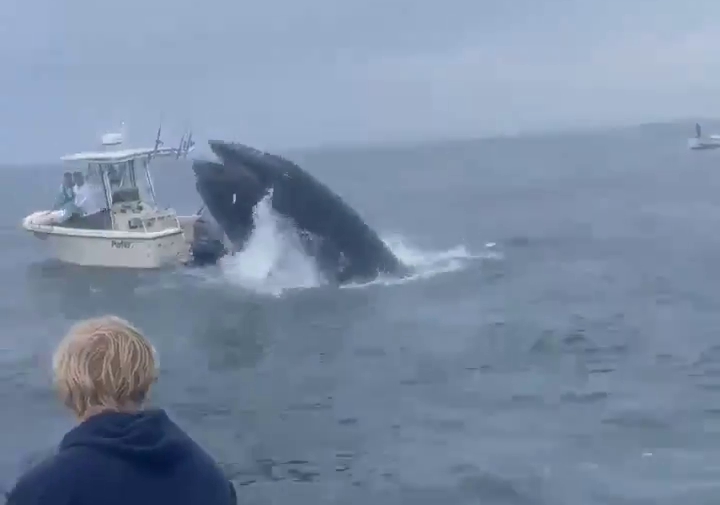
x=124, y=174
x=118, y=172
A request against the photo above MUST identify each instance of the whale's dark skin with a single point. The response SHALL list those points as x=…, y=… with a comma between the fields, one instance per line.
x=344, y=246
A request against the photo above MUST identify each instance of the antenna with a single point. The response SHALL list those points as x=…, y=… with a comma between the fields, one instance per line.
x=180, y=147
x=189, y=144
x=158, y=142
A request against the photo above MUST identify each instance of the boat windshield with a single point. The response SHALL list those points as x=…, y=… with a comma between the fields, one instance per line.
x=126, y=176
x=93, y=176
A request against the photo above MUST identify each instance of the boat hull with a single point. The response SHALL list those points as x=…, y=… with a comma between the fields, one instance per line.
x=113, y=249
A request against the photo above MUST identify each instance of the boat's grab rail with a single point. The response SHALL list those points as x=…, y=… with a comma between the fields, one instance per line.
x=90, y=233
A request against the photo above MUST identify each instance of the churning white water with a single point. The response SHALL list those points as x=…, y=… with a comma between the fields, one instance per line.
x=273, y=261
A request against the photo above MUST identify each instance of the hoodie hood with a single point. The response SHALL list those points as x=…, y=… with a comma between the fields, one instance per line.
x=147, y=438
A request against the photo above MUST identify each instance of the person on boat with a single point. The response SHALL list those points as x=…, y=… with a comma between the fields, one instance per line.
x=78, y=179
x=120, y=453
x=89, y=197
x=66, y=194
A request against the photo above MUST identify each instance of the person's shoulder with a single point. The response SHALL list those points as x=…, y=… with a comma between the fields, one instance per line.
x=198, y=454
x=50, y=481
x=204, y=464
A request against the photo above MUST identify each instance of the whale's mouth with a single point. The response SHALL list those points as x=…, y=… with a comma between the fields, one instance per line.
x=230, y=194
x=344, y=247
x=236, y=215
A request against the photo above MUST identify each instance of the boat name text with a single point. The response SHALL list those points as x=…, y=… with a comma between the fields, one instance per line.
x=121, y=244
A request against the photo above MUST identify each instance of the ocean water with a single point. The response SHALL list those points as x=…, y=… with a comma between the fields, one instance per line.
x=560, y=343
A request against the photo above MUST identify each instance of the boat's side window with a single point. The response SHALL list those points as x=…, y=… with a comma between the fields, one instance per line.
x=118, y=176
x=114, y=176
x=124, y=176
x=131, y=174
x=93, y=175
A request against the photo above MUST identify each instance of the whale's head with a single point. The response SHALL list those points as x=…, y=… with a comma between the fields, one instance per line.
x=229, y=192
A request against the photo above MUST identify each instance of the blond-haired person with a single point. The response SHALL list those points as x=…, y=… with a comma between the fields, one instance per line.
x=120, y=453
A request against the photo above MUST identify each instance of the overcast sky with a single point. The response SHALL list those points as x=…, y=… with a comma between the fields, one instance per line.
x=292, y=73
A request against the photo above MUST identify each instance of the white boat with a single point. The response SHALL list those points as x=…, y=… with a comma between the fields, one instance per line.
x=132, y=231
x=698, y=142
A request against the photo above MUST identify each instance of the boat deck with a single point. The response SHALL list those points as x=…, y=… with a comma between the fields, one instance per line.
x=98, y=221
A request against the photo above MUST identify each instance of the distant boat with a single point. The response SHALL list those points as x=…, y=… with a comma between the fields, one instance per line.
x=698, y=142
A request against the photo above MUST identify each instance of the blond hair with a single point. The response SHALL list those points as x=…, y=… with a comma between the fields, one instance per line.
x=102, y=364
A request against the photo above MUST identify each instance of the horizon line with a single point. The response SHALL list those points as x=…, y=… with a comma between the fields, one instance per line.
x=342, y=146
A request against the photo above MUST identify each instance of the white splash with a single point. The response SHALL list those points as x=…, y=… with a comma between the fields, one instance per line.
x=424, y=263
x=273, y=261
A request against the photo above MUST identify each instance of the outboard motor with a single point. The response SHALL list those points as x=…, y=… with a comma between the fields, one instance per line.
x=208, y=245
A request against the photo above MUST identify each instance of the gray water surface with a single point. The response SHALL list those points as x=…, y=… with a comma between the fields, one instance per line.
x=576, y=361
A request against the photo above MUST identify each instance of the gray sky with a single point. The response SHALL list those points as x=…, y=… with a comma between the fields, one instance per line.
x=291, y=73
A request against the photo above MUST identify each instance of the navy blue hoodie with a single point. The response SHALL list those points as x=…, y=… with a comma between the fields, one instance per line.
x=126, y=459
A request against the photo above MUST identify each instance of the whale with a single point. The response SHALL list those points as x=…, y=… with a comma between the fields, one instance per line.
x=344, y=247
